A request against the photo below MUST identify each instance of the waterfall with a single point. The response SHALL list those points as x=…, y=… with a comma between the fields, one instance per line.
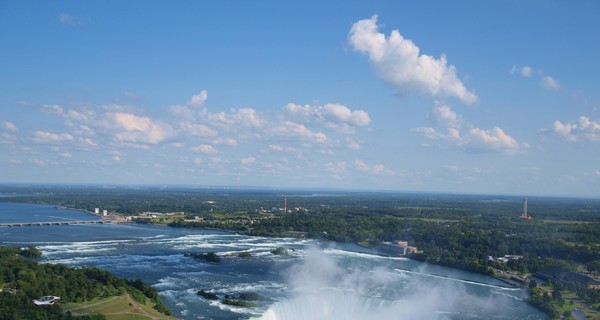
x=330, y=304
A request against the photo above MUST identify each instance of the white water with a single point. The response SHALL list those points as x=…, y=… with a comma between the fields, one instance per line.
x=458, y=280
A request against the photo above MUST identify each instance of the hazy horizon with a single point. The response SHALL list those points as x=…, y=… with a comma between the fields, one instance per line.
x=331, y=190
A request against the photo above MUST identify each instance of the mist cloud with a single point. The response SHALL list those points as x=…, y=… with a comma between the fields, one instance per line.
x=321, y=288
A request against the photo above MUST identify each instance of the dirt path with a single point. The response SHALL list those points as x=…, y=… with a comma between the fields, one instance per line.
x=136, y=306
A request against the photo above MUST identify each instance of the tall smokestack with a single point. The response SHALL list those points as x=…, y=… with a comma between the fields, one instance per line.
x=284, y=204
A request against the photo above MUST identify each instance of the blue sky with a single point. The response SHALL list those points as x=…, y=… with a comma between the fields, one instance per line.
x=493, y=97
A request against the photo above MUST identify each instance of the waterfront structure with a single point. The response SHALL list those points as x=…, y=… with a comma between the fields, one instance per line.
x=400, y=246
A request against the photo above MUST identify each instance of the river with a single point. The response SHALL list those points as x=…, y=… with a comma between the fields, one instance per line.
x=316, y=280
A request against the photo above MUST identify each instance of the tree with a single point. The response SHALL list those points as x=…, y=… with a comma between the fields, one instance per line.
x=532, y=284
x=31, y=252
x=556, y=295
x=594, y=266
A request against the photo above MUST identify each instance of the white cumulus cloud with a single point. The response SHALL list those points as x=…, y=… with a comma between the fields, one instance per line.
x=545, y=81
x=493, y=139
x=550, y=83
x=453, y=130
x=236, y=120
x=69, y=19
x=342, y=114
x=248, y=160
x=292, y=129
x=398, y=61
x=198, y=99
x=525, y=71
x=336, y=168
x=136, y=129
x=205, y=148
x=374, y=169
x=70, y=116
x=226, y=141
x=49, y=137
x=197, y=129
x=351, y=144
x=8, y=133
x=585, y=129
x=9, y=127
x=443, y=115
x=331, y=115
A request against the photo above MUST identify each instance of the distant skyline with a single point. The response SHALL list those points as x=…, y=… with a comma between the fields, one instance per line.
x=495, y=97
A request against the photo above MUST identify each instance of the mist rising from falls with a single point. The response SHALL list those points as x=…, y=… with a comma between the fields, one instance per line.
x=320, y=289
x=332, y=305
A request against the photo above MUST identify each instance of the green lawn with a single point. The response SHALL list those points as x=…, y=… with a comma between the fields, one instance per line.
x=115, y=308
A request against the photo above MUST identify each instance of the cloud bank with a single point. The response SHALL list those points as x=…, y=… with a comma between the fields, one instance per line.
x=196, y=138
x=583, y=130
x=452, y=129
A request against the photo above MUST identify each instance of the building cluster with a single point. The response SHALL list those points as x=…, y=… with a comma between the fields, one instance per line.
x=194, y=219
x=400, y=246
x=113, y=218
x=97, y=212
x=560, y=275
x=505, y=259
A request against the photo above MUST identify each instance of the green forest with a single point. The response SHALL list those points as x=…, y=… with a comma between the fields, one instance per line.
x=23, y=279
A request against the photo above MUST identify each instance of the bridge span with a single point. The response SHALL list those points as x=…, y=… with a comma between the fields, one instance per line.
x=51, y=223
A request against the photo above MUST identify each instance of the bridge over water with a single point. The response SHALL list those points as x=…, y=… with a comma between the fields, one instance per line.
x=52, y=223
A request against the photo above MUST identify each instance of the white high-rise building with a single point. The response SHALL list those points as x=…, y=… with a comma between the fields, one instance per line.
x=97, y=210
x=105, y=212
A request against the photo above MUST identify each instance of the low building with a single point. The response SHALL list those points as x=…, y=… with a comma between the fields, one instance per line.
x=399, y=247
x=565, y=276
x=506, y=258
x=46, y=301
x=195, y=219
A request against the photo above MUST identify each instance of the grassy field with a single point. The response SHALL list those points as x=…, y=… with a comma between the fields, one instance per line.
x=116, y=308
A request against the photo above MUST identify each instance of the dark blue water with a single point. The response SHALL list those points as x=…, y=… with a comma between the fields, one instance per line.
x=315, y=281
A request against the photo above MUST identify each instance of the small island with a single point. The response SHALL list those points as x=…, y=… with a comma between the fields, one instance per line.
x=242, y=299
x=279, y=251
x=208, y=257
